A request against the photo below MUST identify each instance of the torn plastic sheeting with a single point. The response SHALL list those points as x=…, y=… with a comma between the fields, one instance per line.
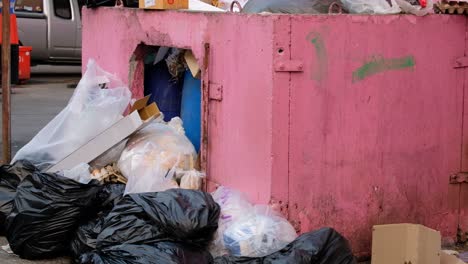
x=10, y=178
x=324, y=246
x=46, y=211
x=162, y=252
x=186, y=216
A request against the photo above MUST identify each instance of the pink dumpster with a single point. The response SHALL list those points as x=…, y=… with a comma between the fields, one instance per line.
x=343, y=121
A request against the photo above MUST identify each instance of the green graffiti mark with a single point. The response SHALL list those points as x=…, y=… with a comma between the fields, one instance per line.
x=320, y=71
x=379, y=64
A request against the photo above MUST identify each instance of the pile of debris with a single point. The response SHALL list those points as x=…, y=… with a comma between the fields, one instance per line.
x=104, y=188
x=416, y=7
x=459, y=7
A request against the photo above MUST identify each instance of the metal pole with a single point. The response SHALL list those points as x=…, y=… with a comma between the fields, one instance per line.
x=6, y=51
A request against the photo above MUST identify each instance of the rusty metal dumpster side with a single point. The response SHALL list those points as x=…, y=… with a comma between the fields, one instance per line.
x=375, y=123
x=343, y=121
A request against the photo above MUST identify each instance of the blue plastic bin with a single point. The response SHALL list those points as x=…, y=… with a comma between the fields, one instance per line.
x=191, y=109
x=164, y=89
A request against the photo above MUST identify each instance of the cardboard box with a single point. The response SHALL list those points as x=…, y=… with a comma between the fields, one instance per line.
x=164, y=4
x=140, y=115
x=192, y=64
x=404, y=244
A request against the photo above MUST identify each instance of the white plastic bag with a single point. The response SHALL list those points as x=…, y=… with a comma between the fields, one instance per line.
x=152, y=157
x=90, y=111
x=415, y=10
x=371, y=6
x=234, y=206
x=258, y=235
x=192, y=180
x=79, y=173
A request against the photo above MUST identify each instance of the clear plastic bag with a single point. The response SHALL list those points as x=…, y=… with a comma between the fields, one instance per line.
x=371, y=7
x=258, y=235
x=192, y=180
x=152, y=157
x=234, y=206
x=90, y=111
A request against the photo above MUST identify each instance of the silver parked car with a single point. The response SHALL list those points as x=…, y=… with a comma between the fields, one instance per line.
x=52, y=28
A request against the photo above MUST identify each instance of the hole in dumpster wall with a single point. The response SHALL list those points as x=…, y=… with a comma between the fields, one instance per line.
x=280, y=51
x=172, y=79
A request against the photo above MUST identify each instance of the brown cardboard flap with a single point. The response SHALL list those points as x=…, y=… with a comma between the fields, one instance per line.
x=149, y=111
x=192, y=64
x=164, y=4
x=140, y=103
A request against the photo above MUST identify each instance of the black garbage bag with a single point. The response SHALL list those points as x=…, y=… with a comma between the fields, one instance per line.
x=84, y=240
x=158, y=253
x=10, y=178
x=290, y=7
x=186, y=216
x=97, y=3
x=108, y=196
x=324, y=246
x=131, y=3
x=46, y=212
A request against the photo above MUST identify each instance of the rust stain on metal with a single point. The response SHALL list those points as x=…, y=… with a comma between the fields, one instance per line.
x=6, y=97
x=461, y=63
x=205, y=109
x=216, y=92
x=458, y=178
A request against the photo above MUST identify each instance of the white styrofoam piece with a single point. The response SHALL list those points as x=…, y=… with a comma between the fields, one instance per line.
x=102, y=142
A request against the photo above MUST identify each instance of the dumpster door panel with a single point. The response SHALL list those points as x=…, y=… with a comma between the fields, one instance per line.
x=463, y=75
x=375, y=123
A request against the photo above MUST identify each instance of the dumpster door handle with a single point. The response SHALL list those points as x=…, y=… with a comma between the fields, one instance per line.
x=215, y=91
x=289, y=66
x=458, y=178
x=461, y=62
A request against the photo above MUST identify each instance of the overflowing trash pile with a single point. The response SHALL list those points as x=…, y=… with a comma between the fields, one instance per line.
x=415, y=7
x=140, y=200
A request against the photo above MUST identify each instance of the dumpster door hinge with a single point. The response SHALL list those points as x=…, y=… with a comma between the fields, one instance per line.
x=461, y=62
x=289, y=66
x=458, y=178
x=216, y=92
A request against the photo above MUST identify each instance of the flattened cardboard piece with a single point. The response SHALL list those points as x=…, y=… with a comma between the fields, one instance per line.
x=192, y=64
x=140, y=116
